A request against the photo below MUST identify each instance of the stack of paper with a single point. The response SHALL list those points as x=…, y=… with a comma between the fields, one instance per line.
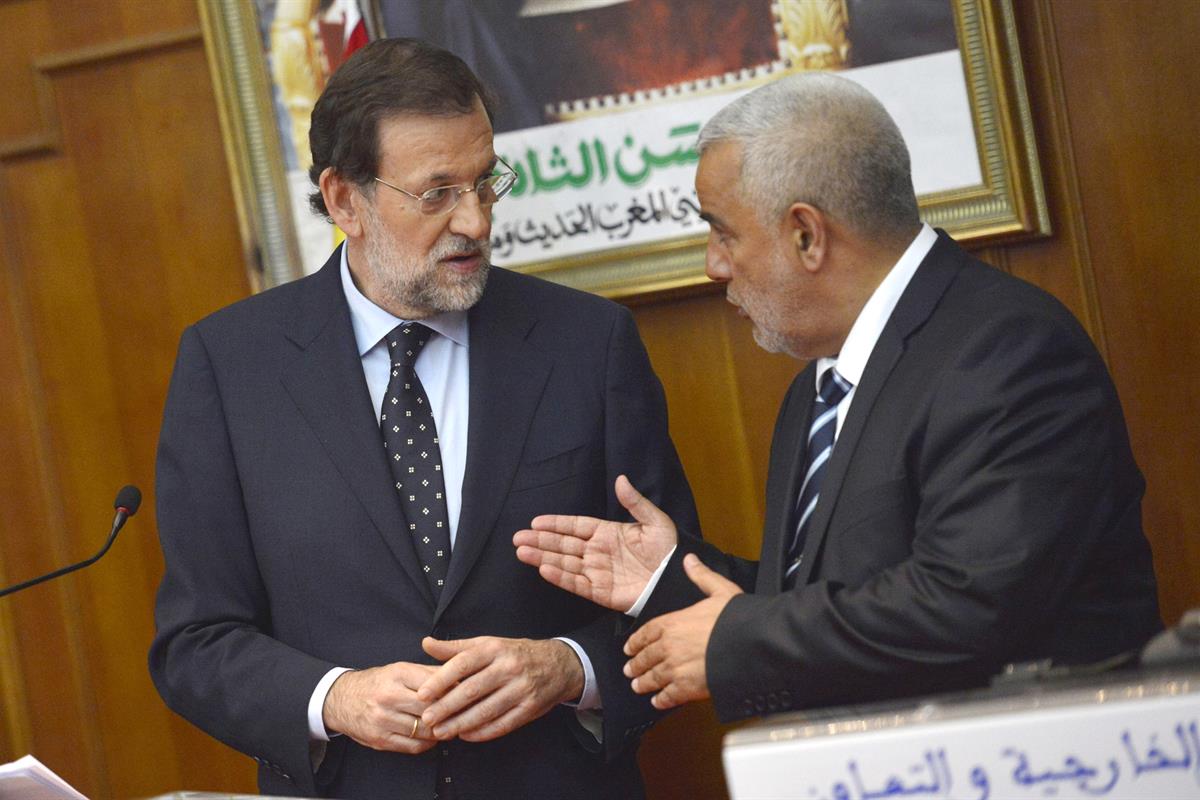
x=29, y=779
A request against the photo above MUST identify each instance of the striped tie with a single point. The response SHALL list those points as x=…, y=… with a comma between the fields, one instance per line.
x=820, y=445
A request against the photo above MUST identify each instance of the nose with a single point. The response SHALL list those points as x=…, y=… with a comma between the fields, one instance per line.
x=716, y=263
x=469, y=218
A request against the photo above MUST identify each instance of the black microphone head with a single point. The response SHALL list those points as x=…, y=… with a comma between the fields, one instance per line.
x=128, y=500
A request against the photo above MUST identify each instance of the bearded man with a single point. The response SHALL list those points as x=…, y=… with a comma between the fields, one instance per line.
x=344, y=460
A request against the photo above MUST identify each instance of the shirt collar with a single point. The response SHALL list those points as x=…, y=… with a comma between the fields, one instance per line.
x=371, y=323
x=852, y=360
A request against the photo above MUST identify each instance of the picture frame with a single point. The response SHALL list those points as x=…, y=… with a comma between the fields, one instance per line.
x=627, y=226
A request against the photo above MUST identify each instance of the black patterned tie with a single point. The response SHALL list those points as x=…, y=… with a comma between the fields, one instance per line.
x=834, y=389
x=411, y=441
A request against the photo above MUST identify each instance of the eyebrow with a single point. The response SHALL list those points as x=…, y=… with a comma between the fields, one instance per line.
x=712, y=219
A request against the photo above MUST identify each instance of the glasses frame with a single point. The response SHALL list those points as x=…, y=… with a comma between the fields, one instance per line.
x=459, y=190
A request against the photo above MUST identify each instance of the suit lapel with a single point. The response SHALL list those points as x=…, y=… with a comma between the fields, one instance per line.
x=788, y=456
x=326, y=383
x=918, y=301
x=507, y=378
x=883, y=358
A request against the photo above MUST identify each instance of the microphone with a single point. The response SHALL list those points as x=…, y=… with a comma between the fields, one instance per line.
x=127, y=503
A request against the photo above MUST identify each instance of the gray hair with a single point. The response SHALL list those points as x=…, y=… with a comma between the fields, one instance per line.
x=820, y=139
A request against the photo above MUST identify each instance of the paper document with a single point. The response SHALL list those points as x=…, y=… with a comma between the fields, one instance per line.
x=29, y=779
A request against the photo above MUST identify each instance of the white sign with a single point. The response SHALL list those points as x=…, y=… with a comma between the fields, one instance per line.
x=621, y=178
x=1132, y=741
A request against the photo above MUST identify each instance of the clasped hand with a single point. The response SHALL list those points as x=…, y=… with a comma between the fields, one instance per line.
x=487, y=687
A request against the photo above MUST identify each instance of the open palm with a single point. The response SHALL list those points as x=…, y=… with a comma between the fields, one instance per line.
x=606, y=562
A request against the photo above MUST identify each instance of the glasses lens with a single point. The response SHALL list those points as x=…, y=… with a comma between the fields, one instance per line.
x=439, y=200
x=495, y=187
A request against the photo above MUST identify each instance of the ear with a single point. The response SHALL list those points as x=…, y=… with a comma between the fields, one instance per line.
x=809, y=234
x=340, y=196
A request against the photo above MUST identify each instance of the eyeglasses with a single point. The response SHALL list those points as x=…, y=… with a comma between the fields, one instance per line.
x=444, y=199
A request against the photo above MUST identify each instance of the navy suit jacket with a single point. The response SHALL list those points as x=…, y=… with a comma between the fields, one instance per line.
x=981, y=506
x=287, y=551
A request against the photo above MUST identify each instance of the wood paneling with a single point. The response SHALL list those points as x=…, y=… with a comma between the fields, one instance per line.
x=1129, y=86
x=117, y=228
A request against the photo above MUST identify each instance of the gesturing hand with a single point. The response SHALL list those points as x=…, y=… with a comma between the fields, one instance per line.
x=491, y=686
x=609, y=563
x=379, y=708
x=668, y=651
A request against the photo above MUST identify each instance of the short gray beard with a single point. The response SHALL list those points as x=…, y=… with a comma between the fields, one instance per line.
x=766, y=326
x=425, y=288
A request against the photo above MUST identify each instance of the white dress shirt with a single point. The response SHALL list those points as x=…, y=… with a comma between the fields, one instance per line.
x=869, y=324
x=443, y=367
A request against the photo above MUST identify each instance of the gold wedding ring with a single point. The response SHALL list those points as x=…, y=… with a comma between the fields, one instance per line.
x=416, y=724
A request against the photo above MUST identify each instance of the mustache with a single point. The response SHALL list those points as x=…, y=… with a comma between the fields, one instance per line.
x=456, y=245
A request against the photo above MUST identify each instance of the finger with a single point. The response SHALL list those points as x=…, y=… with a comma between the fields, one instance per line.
x=566, y=524
x=652, y=680
x=446, y=649
x=480, y=713
x=453, y=672
x=571, y=565
x=646, y=660
x=709, y=582
x=419, y=730
x=467, y=693
x=667, y=698
x=502, y=725
x=644, y=636
x=537, y=557
x=641, y=508
x=401, y=743
x=551, y=544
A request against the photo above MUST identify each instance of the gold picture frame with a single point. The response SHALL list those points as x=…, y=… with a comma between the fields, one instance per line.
x=1006, y=202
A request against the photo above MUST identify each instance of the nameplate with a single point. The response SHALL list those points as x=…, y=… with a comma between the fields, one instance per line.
x=1131, y=737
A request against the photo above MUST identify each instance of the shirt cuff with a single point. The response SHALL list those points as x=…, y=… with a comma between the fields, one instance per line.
x=637, y=607
x=590, y=699
x=316, y=705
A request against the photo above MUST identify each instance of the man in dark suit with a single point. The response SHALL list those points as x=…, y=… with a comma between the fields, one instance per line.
x=951, y=486
x=337, y=488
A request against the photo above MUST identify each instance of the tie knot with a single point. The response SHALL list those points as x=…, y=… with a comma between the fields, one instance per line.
x=405, y=342
x=833, y=388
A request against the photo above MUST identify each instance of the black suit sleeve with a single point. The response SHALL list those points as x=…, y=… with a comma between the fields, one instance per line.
x=1019, y=481
x=213, y=659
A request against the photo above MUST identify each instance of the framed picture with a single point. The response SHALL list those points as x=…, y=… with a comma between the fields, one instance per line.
x=600, y=103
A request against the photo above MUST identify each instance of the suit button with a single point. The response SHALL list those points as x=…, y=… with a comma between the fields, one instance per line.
x=785, y=697
x=748, y=706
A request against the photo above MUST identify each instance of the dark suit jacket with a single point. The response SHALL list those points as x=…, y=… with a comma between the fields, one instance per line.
x=287, y=554
x=981, y=506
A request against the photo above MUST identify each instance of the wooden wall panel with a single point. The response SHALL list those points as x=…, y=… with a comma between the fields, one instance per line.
x=117, y=228
x=1130, y=86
